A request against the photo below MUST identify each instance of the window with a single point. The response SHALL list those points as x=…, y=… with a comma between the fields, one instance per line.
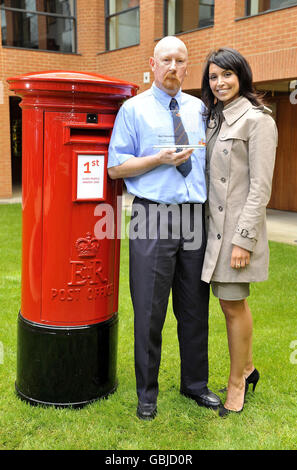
x=39, y=24
x=186, y=15
x=122, y=23
x=253, y=7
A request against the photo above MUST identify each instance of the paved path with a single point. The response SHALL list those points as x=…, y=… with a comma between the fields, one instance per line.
x=282, y=226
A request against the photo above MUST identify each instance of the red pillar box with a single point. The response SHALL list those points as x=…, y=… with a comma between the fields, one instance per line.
x=67, y=326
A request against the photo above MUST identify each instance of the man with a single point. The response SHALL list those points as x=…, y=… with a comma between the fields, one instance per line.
x=164, y=116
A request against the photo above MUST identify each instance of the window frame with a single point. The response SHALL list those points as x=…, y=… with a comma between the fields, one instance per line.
x=165, y=22
x=41, y=13
x=247, y=5
x=108, y=16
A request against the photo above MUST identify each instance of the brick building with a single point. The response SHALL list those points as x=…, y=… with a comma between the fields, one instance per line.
x=116, y=38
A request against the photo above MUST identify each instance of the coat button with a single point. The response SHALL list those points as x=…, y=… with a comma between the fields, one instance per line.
x=225, y=151
x=221, y=209
x=223, y=180
x=219, y=236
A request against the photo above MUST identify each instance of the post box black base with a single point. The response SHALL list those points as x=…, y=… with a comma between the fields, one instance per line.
x=66, y=366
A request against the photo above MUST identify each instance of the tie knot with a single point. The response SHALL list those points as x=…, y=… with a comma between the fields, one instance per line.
x=173, y=106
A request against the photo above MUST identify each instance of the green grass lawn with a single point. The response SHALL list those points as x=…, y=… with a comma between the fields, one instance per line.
x=270, y=415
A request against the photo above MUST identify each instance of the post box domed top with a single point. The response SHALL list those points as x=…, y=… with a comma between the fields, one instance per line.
x=65, y=82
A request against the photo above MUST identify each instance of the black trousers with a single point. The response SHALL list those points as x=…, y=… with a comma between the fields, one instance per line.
x=156, y=266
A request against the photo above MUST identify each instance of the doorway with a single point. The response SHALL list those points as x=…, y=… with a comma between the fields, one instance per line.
x=16, y=140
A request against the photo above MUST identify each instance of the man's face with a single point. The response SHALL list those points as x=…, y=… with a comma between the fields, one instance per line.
x=170, y=67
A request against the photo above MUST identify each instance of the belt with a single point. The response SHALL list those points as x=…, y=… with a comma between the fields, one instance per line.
x=148, y=201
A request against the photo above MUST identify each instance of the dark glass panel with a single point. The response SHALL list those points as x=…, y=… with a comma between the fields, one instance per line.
x=37, y=31
x=124, y=30
x=116, y=6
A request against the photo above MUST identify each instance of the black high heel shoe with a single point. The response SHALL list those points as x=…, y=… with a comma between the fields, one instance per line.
x=224, y=412
x=253, y=378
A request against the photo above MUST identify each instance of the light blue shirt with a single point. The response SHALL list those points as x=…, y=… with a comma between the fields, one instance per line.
x=144, y=121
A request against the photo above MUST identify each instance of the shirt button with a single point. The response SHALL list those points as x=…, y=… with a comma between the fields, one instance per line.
x=221, y=209
x=219, y=236
x=225, y=151
x=223, y=180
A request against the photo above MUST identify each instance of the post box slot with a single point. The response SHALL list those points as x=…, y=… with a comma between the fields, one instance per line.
x=89, y=135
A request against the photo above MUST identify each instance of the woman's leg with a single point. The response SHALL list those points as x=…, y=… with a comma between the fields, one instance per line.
x=239, y=330
x=249, y=367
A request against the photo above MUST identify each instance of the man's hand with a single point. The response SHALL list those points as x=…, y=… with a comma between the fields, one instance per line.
x=240, y=257
x=136, y=166
x=171, y=157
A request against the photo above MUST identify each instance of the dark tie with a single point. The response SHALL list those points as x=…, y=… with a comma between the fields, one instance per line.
x=180, y=136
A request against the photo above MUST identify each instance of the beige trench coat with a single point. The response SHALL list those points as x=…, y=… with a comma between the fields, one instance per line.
x=239, y=174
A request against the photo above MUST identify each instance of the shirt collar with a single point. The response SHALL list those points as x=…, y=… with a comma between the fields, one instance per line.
x=237, y=108
x=164, y=98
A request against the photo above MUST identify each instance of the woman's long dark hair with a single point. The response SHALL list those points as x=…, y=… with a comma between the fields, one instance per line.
x=229, y=59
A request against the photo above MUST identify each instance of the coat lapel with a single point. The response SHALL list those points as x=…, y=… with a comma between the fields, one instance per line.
x=236, y=110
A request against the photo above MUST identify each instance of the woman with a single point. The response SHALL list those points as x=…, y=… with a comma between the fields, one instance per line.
x=242, y=139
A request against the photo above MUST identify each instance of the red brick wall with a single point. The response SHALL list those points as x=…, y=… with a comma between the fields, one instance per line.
x=269, y=42
x=90, y=40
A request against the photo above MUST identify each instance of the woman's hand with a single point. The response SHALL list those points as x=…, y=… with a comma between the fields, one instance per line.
x=240, y=257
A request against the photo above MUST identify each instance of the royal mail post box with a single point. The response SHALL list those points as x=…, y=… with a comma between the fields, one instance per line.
x=67, y=325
